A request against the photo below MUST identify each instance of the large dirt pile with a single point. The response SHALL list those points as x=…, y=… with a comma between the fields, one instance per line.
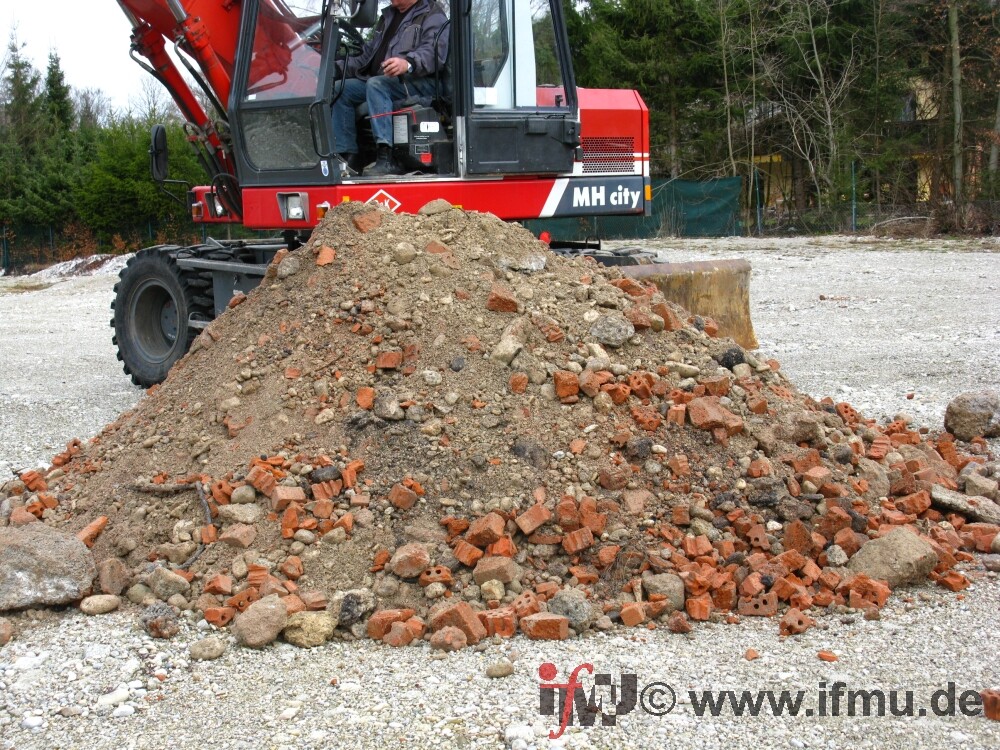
x=435, y=418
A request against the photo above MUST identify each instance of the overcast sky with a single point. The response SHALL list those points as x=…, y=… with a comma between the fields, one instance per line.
x=91, y=37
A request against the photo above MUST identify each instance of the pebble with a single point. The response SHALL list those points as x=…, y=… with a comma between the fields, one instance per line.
x=502, y=668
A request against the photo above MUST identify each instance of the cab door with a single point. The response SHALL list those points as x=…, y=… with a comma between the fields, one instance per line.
x=520, y=94
x=276, y=84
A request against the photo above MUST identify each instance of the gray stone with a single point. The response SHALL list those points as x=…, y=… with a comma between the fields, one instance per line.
x=242, y=513
x=976, y=484
x=574, y=605
x=435, y=207
x=900, y=557
x=975, y=508
x=835, y=556
x=505, y=351
x=350, y=607
x=208, y=649
x=612, y=330
x=100, y=604
x=667, y=584
x=177, y=553
x=875, y=475
x=165, y=583
x=387, y=407
x=990, y=562
x=404, y=253
x=309, y=629
x=243, y=495
x=995, y=545
x=973, y=414
x=140, y=594
x=289, y=266
x=40, y=566
x=261, y=622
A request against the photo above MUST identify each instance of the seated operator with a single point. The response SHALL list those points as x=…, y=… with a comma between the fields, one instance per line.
x=409, y=46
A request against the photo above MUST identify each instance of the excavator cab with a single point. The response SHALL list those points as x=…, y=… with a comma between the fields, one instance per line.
x=504, y=104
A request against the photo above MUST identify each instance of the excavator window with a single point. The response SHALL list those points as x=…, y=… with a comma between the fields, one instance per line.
x=284, y=64
x=284, y=67
x=533, y=77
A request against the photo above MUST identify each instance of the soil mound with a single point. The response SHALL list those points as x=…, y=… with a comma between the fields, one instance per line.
x=435, y=417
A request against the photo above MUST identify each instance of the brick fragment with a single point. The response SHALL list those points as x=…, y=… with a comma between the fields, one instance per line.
x=460, y=616
x=545, y=626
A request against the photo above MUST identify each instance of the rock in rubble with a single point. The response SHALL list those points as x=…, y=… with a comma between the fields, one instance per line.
x=410, y=560
x=502, y=668
x=976, y=508
x=261, y=622
x=309, y=629
x=100, y=604
x=973, y=414
x=667, y=584
x=899, y=557
x=40, y=567
x=160, y=620
x=208, y=649
x=612, y=330
x=6, y=631
x=165, y=583
x=350, y=607
x=574, y=605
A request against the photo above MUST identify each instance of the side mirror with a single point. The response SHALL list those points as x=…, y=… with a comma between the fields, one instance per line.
x=364, y=13
x=158, y=152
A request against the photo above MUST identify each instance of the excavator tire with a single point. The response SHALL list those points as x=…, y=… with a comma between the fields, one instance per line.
x=154, y=300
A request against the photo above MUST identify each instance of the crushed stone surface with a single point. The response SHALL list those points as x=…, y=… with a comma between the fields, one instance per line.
x=363, y=694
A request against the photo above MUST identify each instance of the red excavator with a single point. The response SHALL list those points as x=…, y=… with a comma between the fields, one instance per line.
x=506, y=131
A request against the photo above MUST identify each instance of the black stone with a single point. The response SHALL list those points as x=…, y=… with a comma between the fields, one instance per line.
x=733, y=356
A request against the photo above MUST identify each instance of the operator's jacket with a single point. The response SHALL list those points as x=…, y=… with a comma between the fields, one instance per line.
x=421, y=40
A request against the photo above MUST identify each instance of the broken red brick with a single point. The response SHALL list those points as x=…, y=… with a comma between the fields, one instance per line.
x=533, y=518
x=460, y=616
x=545, y=626
x=795, y=622
x=577, y=541
x=380, y=622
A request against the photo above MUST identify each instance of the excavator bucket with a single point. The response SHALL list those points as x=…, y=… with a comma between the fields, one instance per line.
x=718, y=289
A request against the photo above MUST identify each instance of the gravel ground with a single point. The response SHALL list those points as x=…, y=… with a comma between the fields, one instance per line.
x=916, y=317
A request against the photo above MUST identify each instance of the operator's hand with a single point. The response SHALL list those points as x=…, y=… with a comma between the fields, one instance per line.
x=395, y=66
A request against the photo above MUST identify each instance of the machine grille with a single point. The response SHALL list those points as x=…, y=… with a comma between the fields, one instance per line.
x=615, y=155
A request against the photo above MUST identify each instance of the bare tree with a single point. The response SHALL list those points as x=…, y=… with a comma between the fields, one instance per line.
x=811, y=88
x=956, y=90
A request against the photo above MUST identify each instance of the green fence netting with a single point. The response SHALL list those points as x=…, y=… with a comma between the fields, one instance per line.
x=681, y=208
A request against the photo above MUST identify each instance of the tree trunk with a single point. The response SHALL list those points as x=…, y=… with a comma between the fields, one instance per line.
x=995, y=147
x=674, y=146
x=956, y=89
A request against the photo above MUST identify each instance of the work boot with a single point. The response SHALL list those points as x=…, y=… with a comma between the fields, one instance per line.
x=384, y=164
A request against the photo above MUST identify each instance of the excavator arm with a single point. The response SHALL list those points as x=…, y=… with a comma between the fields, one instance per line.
x=204, y=35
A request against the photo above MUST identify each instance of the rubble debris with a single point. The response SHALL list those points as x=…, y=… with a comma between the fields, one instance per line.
x=429, y=428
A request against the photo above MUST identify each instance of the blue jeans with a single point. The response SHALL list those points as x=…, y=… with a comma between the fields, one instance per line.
x=379, y=92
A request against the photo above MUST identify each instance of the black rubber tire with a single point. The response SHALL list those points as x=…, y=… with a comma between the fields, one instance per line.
x=152, y=306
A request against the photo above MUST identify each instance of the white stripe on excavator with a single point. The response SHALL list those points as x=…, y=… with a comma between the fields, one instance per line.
x=555, y=195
